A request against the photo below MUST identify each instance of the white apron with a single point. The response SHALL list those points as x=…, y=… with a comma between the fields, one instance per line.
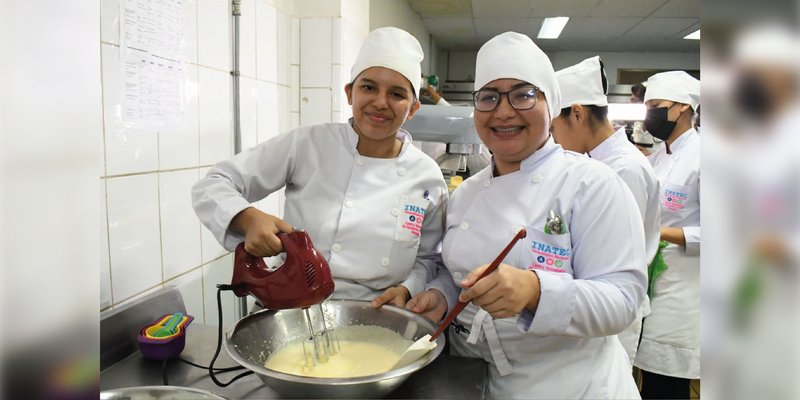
x=671, y=334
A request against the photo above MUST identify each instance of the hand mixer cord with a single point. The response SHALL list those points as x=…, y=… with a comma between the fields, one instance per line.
x=220, y=288
x=211, y=368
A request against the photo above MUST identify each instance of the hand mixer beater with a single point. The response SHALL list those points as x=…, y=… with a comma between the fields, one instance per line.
x=304, y=280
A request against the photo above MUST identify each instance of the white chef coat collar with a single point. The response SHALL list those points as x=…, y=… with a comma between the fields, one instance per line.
x=352, y=136
x=608, y=146
x=683, y=140
x=402, y=135
x=535, y=159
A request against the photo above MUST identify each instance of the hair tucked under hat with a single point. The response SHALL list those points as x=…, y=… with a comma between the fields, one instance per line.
x=394, y=49
x=674, y=86
x=582, y=84
x=512, y=55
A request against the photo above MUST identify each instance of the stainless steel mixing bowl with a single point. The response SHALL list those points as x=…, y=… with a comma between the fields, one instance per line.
x=253, y=338
x=158, y=393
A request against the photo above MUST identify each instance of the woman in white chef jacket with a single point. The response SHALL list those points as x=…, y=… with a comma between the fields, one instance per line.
x=583, y=127
x=370, y=201
x=669, y=353
x=546, y=319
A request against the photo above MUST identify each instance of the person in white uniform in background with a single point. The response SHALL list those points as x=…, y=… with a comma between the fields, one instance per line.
x=437, y=98
x=669, y=353
x=583, y=127
x=546, y=320
x=372, y=203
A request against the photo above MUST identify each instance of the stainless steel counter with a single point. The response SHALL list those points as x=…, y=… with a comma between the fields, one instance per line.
x=446, y=378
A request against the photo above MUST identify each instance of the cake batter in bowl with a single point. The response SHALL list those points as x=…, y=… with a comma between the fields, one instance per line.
x=253, y=340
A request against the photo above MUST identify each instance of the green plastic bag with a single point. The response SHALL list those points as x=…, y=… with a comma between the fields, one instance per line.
x=656, y=268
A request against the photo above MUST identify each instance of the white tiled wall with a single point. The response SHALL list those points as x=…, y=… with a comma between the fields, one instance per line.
x=267, y=42
x=151, y=236
x=248, y=92
x=214, y=106
x=178, y=148
x=284, y=47
x=213, y=34
x=315, y=106
x=105, y=265
x=180, y=229
x=347, y=42
x=133, y=234
x=315, y=52
x=247, y=43
x=128, y=149
x=218, y=271
x=269, y=110
x=293, y=69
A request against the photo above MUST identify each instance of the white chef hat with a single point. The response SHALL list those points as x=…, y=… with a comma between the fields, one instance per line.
x=773, y=44
x=513, y=55
x=675, y=86
x=391, y=48
x=582, y=84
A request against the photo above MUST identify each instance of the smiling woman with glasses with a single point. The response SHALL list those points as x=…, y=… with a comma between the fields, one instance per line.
x=522, y=97
x=555, y=304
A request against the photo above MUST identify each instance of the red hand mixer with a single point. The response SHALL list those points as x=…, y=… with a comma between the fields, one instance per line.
x=302, y=281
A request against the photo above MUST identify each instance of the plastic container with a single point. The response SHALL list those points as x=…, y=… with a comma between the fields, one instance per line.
x=165, y=347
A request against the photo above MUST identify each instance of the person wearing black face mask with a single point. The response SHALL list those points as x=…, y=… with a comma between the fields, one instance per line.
x=669, y=351
x=658, y=120
x=752, y=97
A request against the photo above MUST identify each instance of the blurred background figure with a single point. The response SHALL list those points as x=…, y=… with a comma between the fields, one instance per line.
x=669, y=350
x=751, y=159
x=637, y=93
x=430, y=92
x=642, y=139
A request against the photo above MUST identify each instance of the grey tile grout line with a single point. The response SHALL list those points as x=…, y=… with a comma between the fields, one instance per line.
x=107, y=231
x=199, y=154
x=163, y=283
x=153, y=171
x=158, y=205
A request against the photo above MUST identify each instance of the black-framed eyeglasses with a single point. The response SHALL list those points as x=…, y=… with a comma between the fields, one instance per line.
x=521, y=98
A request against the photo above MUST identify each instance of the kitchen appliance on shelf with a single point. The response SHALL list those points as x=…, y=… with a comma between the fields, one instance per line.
x=458, y=92
x=464, y=154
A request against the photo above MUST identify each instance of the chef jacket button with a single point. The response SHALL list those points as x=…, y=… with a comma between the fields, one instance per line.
x=359, y=161
x=385, y=262
x=395, y=212
x=486, y=183
x=401, y=171
x=537, y=178
x=336, y=247
x=464, y=226
x=457, y=275
x=348, y=204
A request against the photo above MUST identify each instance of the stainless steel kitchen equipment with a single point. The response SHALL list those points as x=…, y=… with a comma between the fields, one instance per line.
x=457, y=91
x=158, y=393
x=122, y=365
x=452, y=125
x=254, y=338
